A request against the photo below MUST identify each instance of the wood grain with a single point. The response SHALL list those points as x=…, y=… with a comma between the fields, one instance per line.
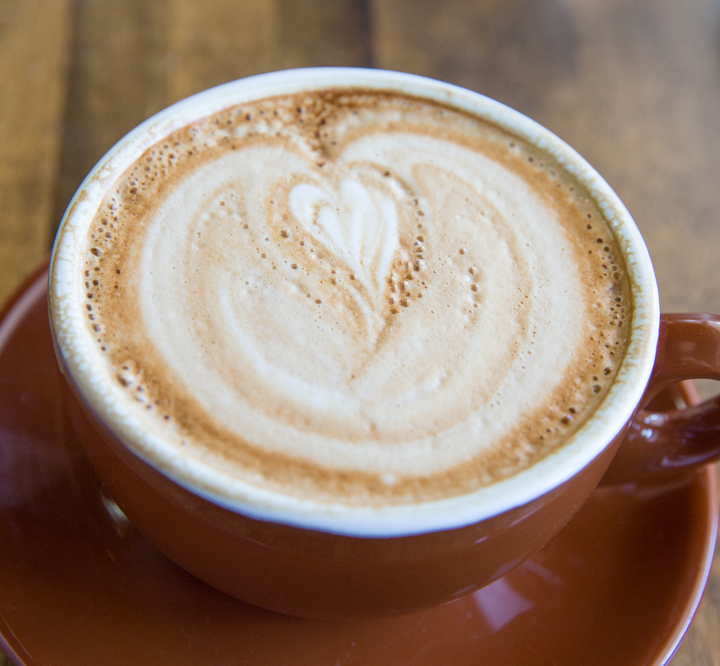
x=634, y=86
x=209, y=45
x=116, y=81
x=33, y=80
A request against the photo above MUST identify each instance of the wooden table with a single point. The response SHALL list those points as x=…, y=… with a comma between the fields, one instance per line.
x=633, y=85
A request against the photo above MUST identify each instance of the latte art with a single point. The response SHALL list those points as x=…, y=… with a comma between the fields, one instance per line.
x=359, y=224
x=357, y=297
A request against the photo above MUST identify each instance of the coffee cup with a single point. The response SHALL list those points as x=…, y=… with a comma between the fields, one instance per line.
x=248, y=302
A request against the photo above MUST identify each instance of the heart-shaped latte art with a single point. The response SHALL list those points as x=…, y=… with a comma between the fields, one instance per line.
x=361, y=310
x=331, y=313
x=359, y=223
x=342, y=226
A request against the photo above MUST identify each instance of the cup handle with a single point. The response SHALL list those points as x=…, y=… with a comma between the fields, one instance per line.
x=660, y=445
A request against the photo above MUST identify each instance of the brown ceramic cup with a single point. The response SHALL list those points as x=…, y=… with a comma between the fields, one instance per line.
x=294, y=559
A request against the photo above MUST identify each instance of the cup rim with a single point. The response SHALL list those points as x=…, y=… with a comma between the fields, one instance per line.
x=80, y=358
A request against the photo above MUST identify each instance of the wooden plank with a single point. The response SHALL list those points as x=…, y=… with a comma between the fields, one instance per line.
x=211, y=43
x=325, y=32
x=34, y=38
x=117, y=79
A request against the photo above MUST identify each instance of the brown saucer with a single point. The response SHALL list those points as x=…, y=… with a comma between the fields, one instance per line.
x=79, y=585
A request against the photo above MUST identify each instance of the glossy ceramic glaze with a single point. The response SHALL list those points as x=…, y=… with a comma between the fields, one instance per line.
x=315, y=574
x=80, y=585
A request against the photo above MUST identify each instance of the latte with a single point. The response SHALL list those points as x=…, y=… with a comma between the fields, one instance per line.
x=355, y=296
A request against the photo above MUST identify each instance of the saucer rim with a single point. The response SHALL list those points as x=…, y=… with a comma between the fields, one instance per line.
x=703, y=572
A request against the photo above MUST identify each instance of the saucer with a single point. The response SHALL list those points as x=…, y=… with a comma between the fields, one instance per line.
x=79, y=585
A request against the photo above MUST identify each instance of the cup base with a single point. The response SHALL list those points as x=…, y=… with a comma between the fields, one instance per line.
x=618, y=585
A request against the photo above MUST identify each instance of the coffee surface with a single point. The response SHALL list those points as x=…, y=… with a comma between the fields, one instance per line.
x=356, y=296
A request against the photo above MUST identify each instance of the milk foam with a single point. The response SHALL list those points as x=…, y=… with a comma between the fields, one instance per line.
x=356, y=296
